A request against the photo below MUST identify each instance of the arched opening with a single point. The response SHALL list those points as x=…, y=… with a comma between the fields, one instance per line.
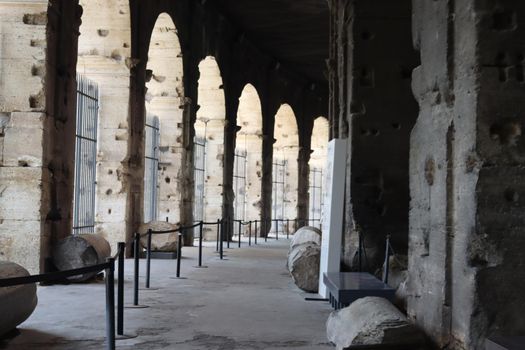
x=319, y=146
x=102, y=119
x=209, y=143
x=285, y=168
x=164, y=120
x=248, y=157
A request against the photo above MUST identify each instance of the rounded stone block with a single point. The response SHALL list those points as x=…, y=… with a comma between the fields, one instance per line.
x=17, y=303
x=80, y=251
x=304, y=235
x=303, y=264
x=159, y=242
x=372, y=321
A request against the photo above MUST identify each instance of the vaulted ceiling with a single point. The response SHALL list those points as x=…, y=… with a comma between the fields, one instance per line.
x=295, y=32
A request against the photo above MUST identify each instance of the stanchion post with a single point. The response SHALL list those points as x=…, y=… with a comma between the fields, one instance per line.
x=276, y=229
x=250, y=234
x=386, y=266
x=148, y=259
x=256, y=232
x=179, y=253
x=136, y=272
x=359, y=251
x=240, y=229
x=266, y=230
x=120, y=290
x=200, y=243
x=218, y=230
x=227, y=231
x=221, y=240
x=110, y=304
x=287, y=228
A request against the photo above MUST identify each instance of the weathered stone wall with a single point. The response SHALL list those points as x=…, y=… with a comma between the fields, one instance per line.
x=22, y=116
x=465, y=222
x=165, y=100
x=103, y=50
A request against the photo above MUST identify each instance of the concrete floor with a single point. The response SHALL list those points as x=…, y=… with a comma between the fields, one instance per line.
x=245, y=302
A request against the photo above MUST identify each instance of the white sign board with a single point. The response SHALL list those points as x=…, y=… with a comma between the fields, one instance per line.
x=333, y=211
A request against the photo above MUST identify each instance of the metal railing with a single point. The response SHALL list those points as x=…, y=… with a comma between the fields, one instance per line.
x=85, y=156
x=109, y=268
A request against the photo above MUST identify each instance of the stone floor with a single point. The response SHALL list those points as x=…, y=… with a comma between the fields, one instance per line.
x=247, y=301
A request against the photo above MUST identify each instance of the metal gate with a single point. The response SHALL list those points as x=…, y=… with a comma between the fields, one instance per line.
x=151, y=168
x=316, y=197
x=239, y=183
x=278, y=197
x=85, y=156
x=199, y=164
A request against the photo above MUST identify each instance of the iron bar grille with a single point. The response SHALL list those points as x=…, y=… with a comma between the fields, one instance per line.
x=85, y=156
x=279, y=195
x=151, y=169
x=239, y=183
x=316, y=197
x=199, y=163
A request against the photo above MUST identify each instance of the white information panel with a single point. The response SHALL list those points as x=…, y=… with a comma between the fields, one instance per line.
x=333, y=210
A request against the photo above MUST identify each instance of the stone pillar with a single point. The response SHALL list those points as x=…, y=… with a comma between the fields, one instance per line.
x=23, y=192
x=303, y=196
x=382, y=115
x=466, y=226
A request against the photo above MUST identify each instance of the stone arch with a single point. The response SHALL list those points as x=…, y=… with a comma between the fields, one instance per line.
x=285, y=165
x=164, y=96
x=209, y=131
x=319, y=148
x=249, y=151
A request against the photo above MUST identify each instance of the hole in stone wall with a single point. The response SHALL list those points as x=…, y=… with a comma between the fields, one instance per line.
x=109, y=211
x=23, y=163
x=396, y=126
x=110, y=172
x=109, y=191
x=511, y=195
x=35, y=18
x=168, y=180
x=501, y=63
x=103, y=32
x=366, y=77
x=507, y=132
x=366, y=35
x=519, y=68
x=504, y=20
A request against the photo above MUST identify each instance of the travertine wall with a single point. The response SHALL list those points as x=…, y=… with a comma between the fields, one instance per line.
x=286, y=148
x=103, y=57
x=249, y=139
x=466, y=232
x=164, y=99
x=22, y=116
x=210, y=124
x=466, y=153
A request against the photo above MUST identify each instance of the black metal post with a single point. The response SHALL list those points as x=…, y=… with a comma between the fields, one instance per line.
x=221, y=246
x=227, y=230
x=179, y=253
x=120, y=290
x=218, y=230
x=287, y=228
x=266, y=230
x=148, y=259
x=386, y=266
x=276, y=229
x=359, y=251
x=240, y=229
x=256, y=232
x=250, y=234
x=110, y=304
x=200, y=244
x=136, y=272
